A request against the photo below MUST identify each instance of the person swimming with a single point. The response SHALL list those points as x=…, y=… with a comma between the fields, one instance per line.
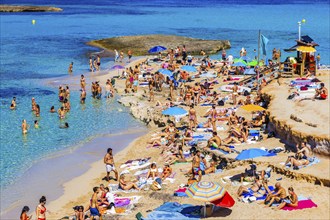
x=66, y=125
x=36, y=124
x=52, y=109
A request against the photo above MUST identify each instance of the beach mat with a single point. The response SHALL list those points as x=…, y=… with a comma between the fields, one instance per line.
x=303, y=204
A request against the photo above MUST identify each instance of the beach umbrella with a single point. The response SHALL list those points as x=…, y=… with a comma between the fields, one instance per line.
x=117, y=67
x=165, y=72
x=189, y=68
x=206, y=192
x=156, y=49
x=174, y=111
x=252, y=108
x=254, y=63
x=251, y=153
x=306, y=49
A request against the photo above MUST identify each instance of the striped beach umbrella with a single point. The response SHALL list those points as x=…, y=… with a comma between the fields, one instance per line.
x=206, y=191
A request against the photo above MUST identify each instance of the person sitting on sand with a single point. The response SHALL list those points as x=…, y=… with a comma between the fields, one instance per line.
x=176, y=157
x=321, y=93
x=291, y=200
x=126, y=185
x=303, y=151
x=256, y=186
x=278, y=196
x=167, y=171
x=233, y=119
x=153, y=172
x=212, y=167
x=257, y=122
x=249, y=174
x=248, y=101
x=296, y=163
x=187, y=136
x=215, y=141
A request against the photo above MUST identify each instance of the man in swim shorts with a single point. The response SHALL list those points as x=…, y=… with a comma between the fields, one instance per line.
x=94, y=209
x=321, y=93
x=215, y=142
x=110, y=164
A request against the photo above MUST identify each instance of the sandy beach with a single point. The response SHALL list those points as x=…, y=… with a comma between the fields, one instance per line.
x=79, y=190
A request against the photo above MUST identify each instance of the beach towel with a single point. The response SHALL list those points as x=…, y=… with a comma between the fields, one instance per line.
x=162, y=215
x=312, y=161
x=181, y=192
x=303, y=204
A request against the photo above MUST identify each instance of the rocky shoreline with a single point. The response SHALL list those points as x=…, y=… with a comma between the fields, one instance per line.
x=141, y=44
x=28, y=8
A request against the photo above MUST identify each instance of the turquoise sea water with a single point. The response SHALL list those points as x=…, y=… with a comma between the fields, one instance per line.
x=33, y=52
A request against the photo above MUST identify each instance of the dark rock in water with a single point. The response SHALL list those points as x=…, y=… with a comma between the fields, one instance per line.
x=20, y=92
x=140, y=45
x=27, y=8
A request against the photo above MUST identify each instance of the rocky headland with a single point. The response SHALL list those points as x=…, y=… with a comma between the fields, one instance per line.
x=28, y=8
x=140, y=45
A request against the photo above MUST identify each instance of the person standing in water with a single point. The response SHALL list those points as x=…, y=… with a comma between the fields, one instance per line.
x=24, y=126
x=82, y=82
x=82, y=96
x=70, y=70
x=13, y=102
x=116, y=55
x=110, y=164
x=91, y=68
x=98, y=63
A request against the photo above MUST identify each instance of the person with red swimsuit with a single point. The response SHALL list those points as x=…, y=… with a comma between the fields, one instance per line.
x=41, y=209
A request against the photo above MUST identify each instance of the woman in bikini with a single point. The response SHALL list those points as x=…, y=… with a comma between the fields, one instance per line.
x=253, y=189
x=125, y=185
x=189, y=93
x=25, y=127
x=296, y=163
x=153, y=172
x=167, y=171
x=196, y=90
x=33, y=104
x=192, y=118
x=41, y=209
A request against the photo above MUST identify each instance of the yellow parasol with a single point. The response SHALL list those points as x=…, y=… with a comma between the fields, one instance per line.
x=306, y=49
x=252, y=108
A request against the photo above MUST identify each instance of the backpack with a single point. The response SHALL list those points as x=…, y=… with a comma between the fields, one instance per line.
x=221, y=103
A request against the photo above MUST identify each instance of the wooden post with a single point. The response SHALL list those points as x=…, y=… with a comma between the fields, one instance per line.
x=302, y=67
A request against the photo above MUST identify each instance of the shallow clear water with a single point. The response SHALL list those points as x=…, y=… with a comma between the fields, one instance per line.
x=19, y=152
x=33, y=52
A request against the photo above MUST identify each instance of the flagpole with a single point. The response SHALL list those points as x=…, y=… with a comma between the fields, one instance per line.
x=258, y=61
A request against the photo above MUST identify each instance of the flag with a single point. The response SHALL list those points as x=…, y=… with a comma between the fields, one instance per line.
x=264, y=41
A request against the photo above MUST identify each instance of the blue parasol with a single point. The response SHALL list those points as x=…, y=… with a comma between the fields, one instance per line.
x=156, y=49
x=173, y=111
x=251, y=153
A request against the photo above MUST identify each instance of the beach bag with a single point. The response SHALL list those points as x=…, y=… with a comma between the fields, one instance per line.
x=291, y=96
x=221, y=103
x=156, y=184
x=246, y=93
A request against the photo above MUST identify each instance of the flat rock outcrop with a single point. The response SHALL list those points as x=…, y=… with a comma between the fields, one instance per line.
x=140, y=45
x=27, y=8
